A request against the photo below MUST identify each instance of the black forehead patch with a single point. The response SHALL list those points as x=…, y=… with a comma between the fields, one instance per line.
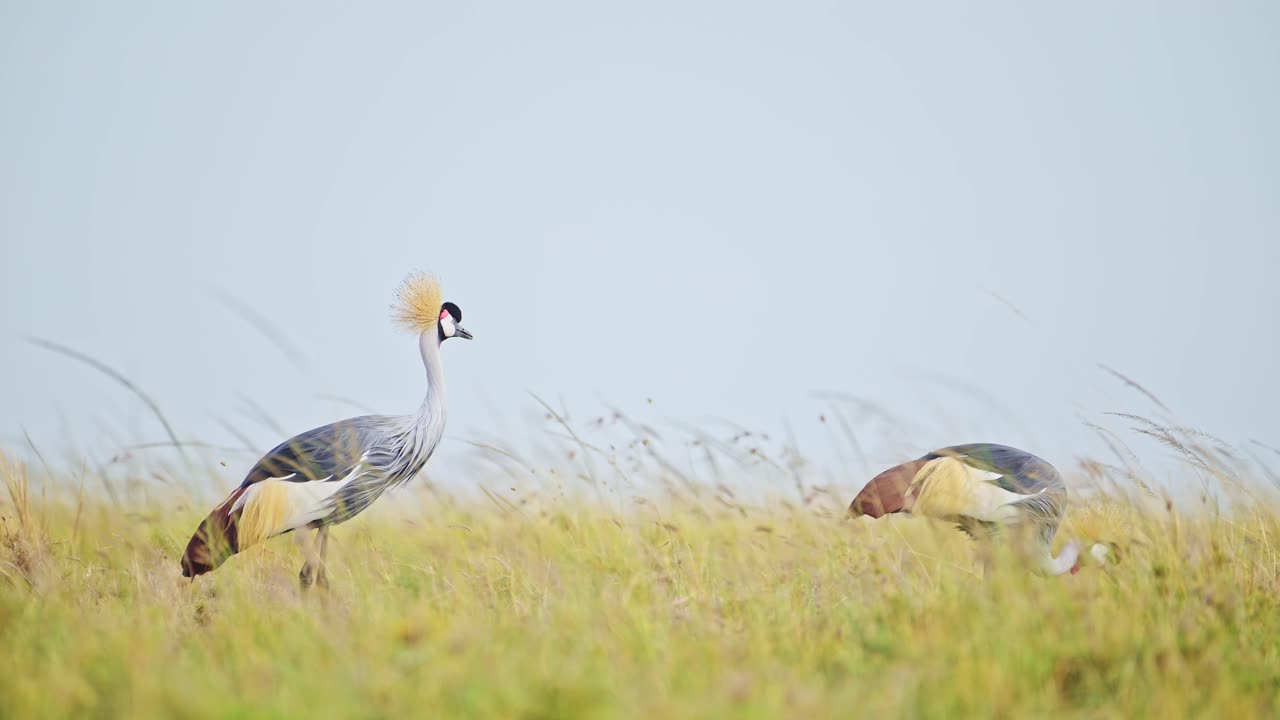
x=453, y=310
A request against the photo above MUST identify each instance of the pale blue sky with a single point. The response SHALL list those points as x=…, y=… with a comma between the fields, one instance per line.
x=721, y=206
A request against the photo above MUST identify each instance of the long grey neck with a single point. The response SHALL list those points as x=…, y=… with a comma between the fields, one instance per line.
x=432, y=412
x=418, y=434
x=1065, y=560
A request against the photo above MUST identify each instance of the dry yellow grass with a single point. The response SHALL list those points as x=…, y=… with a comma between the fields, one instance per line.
x=677, y=608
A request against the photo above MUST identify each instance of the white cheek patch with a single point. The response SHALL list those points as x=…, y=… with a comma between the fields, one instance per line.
x=446, y=323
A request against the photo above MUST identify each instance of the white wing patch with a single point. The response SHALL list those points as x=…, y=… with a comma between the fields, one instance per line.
x=311, y=500
x=948, y=487
x=979, y=475
x=277, y=505
x=254, y=490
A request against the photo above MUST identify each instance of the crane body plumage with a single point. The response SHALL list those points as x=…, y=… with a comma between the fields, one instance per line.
x=982, y=488
x=330, y=474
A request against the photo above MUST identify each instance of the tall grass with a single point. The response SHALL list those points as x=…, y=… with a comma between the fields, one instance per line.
x=573, y=593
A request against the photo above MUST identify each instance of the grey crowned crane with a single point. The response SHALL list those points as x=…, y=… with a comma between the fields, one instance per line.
x=982, y=488
x=330, y=474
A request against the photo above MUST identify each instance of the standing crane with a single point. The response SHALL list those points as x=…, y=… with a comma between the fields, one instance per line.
x=982, y=488
x=330, y=474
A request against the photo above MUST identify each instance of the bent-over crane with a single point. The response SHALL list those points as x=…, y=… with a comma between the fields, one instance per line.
x=982, y=488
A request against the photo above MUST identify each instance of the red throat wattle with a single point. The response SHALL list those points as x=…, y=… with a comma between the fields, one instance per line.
x=1075, y=568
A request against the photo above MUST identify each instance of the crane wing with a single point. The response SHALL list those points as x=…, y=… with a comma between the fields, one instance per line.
x=1014, y=470
x=302, y=480
x=1039, y=494
x=322, y=473
x=327, y=453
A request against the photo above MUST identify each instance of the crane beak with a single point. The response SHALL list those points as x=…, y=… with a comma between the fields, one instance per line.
x=459, y=331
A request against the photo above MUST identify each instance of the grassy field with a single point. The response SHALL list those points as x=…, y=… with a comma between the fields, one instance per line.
x=695, y=604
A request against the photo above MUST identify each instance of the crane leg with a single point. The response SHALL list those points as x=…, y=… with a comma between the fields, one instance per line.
x=322, y=537
x=986, y=558
x=312, y=565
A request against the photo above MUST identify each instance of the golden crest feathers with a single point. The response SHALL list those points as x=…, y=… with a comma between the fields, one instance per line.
x=418, y=302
